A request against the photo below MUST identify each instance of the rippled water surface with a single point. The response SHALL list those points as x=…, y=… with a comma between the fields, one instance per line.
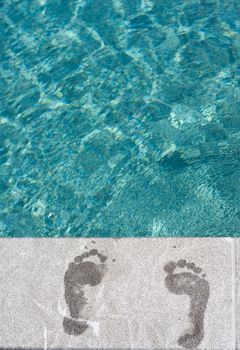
x=119, y=117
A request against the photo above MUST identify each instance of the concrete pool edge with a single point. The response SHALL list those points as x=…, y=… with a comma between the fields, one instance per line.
x=32, y=292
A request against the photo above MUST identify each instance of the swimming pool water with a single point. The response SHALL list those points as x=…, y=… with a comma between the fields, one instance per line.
x=119, y=118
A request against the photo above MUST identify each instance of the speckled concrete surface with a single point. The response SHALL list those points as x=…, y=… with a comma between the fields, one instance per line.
x=117, y=293
x=237, y=300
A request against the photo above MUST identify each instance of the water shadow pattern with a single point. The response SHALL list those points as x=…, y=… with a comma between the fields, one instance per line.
x=119, y=116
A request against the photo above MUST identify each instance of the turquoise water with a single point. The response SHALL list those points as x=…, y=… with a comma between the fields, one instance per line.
x=119, y=118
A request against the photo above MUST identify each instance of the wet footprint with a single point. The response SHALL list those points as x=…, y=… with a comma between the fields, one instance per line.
x=197, y=288
x=79, y=274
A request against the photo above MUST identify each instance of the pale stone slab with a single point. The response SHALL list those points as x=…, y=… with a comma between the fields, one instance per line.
x=125, y=294
x=237, y=278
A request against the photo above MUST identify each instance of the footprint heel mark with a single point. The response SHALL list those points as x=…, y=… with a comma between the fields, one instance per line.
x=81, y=273
x=191, y=283
x=74, y=327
